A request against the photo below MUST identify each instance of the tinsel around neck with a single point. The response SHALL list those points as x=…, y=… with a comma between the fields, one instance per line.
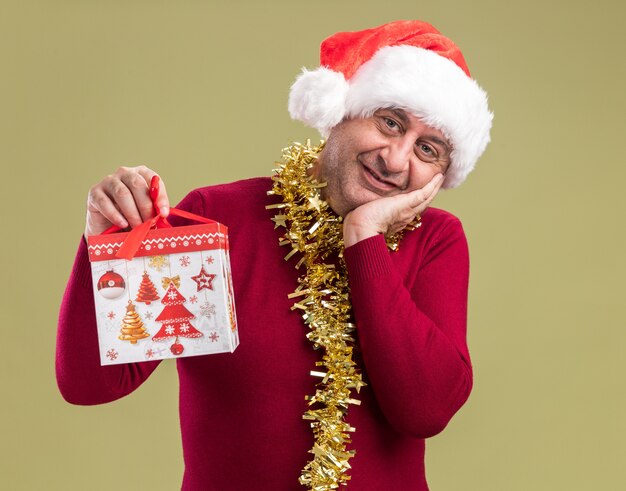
x=315, y=233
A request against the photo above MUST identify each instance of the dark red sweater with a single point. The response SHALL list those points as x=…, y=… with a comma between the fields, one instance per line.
x=241, y=413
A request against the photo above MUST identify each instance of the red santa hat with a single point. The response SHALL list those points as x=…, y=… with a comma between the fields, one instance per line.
x=403, y=64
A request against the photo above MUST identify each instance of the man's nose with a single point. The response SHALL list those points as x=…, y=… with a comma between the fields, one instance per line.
x=397, y=155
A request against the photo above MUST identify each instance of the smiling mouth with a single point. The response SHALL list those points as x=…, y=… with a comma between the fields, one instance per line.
x=378, y=182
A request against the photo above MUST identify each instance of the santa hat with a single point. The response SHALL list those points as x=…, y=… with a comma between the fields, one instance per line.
x=403, y=64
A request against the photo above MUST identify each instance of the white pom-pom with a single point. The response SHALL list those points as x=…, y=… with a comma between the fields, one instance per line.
x=318, y=98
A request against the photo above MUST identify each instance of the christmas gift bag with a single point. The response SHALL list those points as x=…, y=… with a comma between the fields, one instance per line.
x=163, y=292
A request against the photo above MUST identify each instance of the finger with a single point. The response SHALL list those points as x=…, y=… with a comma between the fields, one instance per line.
x=433, y=185
x=123, y=199
x=98, y=203
x=417, y=197
x=437, y=187
x=419, y=209
x=162, y=200
x=136, y=183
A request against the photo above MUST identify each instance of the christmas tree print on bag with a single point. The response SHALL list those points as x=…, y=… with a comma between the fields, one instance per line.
x=176, y=320
x=147, y=291
x=132, y=327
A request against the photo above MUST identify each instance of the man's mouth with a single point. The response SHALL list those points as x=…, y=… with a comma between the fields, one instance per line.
x=378, y=182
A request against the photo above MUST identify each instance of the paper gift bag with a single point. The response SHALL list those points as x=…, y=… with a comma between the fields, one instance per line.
x=172, y=297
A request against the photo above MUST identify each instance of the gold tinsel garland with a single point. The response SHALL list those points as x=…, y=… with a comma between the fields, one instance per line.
x=315, y=232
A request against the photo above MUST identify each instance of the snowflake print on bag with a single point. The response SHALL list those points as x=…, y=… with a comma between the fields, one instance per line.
x=207, y=310
x=158, y=262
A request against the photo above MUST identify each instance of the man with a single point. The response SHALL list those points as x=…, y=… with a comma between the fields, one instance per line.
x=403, y=118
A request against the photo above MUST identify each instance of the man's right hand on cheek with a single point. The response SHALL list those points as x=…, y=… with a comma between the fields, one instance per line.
x=390, y=214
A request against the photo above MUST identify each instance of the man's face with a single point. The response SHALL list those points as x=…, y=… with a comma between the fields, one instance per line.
x=389, y=153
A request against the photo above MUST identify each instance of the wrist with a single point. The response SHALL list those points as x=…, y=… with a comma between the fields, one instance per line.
x=353, y=233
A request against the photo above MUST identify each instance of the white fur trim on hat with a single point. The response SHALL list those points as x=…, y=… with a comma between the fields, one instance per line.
x=428, y=85
x=318, y=99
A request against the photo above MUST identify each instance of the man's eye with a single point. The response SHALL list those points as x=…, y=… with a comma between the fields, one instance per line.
x=426, y=149
x=426, y=152
x=391, y=123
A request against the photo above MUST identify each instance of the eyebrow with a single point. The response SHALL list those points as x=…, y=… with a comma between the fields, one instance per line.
x=445, y=145
x=400, y=114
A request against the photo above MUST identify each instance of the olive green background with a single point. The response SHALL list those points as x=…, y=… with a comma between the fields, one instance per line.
x=197, y=90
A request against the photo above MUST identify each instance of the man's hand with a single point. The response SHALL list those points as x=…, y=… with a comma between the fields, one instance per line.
x=388, y=215
x=123, y=199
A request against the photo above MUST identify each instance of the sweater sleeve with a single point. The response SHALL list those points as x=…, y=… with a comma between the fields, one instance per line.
x=412, y=332
x=80, y=377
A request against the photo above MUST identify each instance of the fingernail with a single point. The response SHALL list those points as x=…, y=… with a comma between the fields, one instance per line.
x=165, y=211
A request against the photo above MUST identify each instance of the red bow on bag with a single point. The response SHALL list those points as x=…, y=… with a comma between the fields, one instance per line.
x=136, y=236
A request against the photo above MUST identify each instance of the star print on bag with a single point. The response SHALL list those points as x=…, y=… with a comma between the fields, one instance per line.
x=204, y=280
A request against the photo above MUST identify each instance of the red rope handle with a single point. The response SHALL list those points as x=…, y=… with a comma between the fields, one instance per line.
x=135, y=237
